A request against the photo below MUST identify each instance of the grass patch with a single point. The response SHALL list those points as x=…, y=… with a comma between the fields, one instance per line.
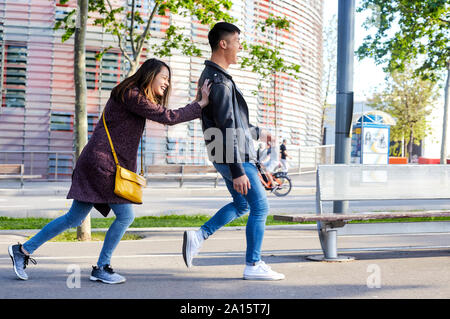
x=23, y=223
x=176, y=221
x=69, y=236
x=192, y=221
x=139, y=222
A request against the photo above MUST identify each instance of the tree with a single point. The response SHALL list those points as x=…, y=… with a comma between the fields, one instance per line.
x=122, y=22
x=329, y=68
x=80, y=122
x=409, y=99
x=125, y=22
x=423, y=35
x=264, y=58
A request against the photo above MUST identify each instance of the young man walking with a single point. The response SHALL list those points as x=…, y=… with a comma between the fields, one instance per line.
x=283, y=156
x=229, y=140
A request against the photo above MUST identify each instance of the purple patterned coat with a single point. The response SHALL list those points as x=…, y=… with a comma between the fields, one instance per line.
x=94, y=175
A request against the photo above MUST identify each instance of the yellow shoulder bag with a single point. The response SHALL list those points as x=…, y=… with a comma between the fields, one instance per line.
x=128, y=184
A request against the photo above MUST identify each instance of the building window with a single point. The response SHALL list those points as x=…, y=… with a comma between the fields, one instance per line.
x=60, y=166
x=111, y=70
x=61, y=121
x=14, y=75
x=92, y=122
x=91, y=70
x=104, y=74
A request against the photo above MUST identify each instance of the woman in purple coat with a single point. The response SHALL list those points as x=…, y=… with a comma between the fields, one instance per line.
x=141, y=97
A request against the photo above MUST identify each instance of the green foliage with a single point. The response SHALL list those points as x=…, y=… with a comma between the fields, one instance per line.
x=264, y=59
x=135, y=31
x=178, y=41
x=207, y=12
x=67, y=23
x=409, y=99
x=423, y=35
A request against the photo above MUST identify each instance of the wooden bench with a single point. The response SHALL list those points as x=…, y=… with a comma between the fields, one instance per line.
x=183, y=173
x=15, y=171
x=341, y=182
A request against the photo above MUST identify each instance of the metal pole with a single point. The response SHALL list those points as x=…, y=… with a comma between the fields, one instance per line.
x=344, y=88
x=56, y=166
x=445, y=123
x=299, y=159
x=2, y=62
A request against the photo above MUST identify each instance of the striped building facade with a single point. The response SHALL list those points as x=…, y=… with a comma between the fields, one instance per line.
x=37, y=84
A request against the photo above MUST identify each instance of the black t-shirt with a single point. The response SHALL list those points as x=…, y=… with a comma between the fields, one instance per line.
x=282, y=150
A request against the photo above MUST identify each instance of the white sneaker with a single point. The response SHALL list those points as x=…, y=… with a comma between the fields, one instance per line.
x=192, y=242
x=261, y=271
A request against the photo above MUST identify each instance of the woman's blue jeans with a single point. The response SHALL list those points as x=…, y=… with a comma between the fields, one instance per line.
x=73, y=218
x=254, y=202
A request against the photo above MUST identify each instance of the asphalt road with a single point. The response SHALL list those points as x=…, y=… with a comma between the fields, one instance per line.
x=386, y=266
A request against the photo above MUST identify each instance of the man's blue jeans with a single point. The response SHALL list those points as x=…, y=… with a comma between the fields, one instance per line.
x=77, y=213
x=254, y=202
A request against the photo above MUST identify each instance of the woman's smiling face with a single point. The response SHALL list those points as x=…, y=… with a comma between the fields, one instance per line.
x=161, y=82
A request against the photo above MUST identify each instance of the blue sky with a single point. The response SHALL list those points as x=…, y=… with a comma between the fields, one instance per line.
x=367, y=75
x=369, y=78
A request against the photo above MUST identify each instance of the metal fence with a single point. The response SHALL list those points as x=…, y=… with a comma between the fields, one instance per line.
x=58, y=165
x=52, y=165
x=311, y=156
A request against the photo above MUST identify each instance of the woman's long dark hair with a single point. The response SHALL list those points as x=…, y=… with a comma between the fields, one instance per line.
x=143, y=79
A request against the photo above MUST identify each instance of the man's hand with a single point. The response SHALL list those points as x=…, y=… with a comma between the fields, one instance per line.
x=242, y=184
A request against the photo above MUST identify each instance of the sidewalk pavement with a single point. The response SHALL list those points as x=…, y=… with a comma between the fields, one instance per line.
x=385, y=267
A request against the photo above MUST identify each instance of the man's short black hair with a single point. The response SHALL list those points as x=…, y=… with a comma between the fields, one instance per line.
x=219, y=31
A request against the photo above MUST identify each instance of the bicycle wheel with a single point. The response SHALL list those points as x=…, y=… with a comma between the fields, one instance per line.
x=283, y=185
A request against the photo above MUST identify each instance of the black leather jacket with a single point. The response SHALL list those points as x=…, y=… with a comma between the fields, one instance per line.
x=225, y=122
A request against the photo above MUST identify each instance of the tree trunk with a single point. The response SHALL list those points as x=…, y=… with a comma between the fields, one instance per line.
x=322, y=126
x=410, y=145
x=80, y=122
x=134, y=65
x=445, y=121
x=132, y=70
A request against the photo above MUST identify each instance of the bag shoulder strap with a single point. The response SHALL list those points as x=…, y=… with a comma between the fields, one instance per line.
x=110, y=141
x=112, y=146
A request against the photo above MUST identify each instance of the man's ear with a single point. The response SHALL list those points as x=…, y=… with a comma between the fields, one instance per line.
x=223, y=44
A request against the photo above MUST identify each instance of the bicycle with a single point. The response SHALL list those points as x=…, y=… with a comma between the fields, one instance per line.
x=278, y=183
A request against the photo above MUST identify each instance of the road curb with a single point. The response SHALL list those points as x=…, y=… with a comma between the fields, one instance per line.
x=364, y=229
x=29, y=232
